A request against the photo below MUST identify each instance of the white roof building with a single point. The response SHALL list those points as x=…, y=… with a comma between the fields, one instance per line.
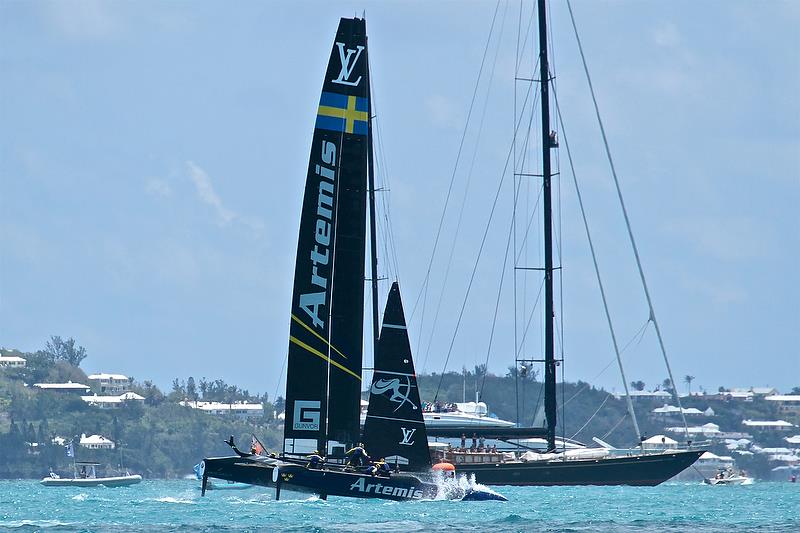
x=12, y=361
x=714, y=458
x=671, y=409
x=96, y=442
x=108, y=377
x=772, y=451
x=111, y=402
x=777, y=425
x=63, y=387
x=237, y=409
x=788, y=398
x=111, y=383
x=707, y=430
x=646, y=395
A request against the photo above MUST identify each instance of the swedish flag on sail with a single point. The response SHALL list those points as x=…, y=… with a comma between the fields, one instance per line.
x=343, y=113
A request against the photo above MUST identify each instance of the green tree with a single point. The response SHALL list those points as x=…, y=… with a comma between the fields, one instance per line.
x=191, y=389
x=638, y=385
x=64, y=350
x=688, y=380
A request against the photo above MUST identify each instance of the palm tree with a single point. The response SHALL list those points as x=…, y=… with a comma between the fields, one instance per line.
x=688, y=380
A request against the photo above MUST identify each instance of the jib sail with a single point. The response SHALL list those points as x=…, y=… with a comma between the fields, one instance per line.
x=325, y=335
x=394, y=427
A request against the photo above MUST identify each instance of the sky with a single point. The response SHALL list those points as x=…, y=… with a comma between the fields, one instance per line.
x=152, y=158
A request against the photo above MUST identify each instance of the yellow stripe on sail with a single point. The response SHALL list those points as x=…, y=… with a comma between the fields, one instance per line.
x=317, y=335
x=323, y=356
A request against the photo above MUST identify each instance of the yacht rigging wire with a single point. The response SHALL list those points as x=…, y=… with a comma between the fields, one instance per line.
x=443, y=285
x=597, y=272
x=480, y=249
x=426, y=279
x=592, y=417
x=628, y=223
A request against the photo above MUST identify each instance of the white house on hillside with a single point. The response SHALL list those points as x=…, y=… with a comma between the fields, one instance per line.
x=646, y=395
x=788, y=404
x=12, y=361
x=243, y=410
x=96, y=442
x=111, y=383
x=774, y=425
x=706, y=430
x=68, y=387
x=667, y=410
x=112, y=402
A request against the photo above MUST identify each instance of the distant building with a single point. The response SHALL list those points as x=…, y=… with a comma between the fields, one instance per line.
x=68, y=387
x=96, y=442
x=706, y=430
x=668, y=410
x=771, y=425
x=763, y=391
x=788, y=404
x=111, y=383
x=12, y=361
x=112, y=402
x=242, y=410
x=646, y=395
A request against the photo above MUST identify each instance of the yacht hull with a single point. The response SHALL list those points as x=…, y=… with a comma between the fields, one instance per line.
x=646, y=470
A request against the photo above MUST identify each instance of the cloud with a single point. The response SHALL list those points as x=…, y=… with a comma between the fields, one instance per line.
x=205, y=191
x=158, y=187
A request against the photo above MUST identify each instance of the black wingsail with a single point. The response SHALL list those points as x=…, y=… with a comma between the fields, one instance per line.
x=394, y=427
x=325, y=335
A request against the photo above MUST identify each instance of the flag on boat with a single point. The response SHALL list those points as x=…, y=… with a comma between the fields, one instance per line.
x=256, y=447
x=70, y=450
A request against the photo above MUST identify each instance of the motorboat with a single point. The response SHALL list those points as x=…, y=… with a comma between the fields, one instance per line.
x=87, y=477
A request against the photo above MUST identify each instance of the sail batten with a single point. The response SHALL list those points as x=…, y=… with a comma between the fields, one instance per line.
x=326, y=327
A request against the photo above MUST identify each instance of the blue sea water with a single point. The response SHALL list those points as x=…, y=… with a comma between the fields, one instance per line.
x=177, y=506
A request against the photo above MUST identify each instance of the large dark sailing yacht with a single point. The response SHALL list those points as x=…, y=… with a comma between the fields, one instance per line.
x=324, y=372
x=578, y=465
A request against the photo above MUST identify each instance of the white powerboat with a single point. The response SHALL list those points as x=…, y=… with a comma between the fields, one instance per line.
x=87, y=477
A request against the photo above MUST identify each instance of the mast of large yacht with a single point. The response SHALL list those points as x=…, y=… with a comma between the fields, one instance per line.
x=549, y=349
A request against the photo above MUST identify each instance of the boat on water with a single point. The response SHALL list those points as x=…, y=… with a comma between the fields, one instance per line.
x=733, y=480
x=557, y=461
x=728, y=477
x=324, y=370
x=85, y=475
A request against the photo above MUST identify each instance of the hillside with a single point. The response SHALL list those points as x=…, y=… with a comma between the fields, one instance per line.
x=160, y=438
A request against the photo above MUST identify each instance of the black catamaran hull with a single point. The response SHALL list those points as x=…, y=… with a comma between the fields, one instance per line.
x=326, y=483
x=239, y=469
x=646, y=470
